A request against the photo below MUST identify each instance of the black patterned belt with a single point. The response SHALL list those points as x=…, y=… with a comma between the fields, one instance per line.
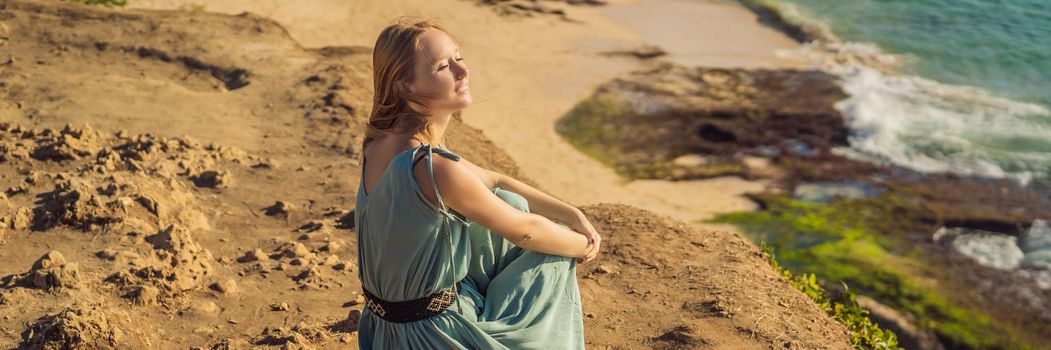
x=410, y=310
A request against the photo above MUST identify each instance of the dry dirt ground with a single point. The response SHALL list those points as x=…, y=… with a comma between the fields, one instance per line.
x=201, y=192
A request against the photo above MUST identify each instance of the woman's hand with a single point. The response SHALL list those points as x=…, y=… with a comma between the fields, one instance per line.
x=582, y=226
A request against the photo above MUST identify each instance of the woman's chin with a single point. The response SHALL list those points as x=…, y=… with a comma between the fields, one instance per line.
x=457, y=103
x=463, y=101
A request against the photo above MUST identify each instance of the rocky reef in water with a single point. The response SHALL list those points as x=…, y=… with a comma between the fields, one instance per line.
x=869, y=225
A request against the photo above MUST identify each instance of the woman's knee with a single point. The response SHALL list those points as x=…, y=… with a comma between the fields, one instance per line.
x=554, y=262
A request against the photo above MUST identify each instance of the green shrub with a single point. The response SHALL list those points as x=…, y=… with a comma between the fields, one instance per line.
x=864, y=334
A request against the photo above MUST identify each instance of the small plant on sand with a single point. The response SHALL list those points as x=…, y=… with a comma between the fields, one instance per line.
x=107, y=3
x=192, y=7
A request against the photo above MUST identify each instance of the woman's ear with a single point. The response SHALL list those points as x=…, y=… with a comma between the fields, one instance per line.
x=405, y=86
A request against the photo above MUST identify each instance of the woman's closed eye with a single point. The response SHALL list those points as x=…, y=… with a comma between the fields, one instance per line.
x=444, y=66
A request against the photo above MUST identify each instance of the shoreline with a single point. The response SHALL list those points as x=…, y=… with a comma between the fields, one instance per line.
x=952, y=206
x=902, y=115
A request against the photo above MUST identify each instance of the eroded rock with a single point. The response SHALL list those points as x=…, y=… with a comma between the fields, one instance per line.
x=175, y=264
x=76, y=327
x=50, y=272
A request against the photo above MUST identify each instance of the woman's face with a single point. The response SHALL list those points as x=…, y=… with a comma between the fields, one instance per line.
x=441, y=75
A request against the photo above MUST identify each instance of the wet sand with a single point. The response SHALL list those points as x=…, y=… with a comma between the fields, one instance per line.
x=708, y=33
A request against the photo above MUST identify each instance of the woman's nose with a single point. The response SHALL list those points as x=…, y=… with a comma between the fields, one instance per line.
x=460, y=70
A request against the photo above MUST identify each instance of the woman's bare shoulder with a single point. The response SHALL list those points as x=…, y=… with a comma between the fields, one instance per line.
x=449, y=173
x=462, y=190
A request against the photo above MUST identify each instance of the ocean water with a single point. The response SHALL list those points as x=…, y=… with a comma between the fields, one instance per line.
x=961, y=86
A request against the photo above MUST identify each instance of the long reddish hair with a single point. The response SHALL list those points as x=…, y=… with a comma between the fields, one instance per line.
x=393, y=66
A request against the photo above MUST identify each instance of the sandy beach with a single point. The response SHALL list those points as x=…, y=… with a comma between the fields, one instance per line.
x=706, y=33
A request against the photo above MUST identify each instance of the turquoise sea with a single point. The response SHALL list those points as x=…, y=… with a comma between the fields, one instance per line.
x=972, y=91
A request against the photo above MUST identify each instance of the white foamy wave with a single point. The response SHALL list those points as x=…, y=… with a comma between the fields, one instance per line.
x=991, y=249
x=791, y=15
x=834, y=55
x=926, y=125
x=1028, y=254
x=934, y=127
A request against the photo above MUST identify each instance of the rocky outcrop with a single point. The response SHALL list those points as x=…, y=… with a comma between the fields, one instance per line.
x=82, y=326
x=672, y=122
x=50, y=272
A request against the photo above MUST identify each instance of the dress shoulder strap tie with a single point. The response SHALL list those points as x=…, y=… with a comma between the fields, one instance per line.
x=447, y=216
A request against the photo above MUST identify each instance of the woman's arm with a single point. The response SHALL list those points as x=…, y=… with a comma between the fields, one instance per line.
x=539, y=202
x=543, y=204
x=466, y=192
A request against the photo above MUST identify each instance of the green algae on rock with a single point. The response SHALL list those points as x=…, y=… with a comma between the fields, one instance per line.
x=678, y=123
x=863, y=243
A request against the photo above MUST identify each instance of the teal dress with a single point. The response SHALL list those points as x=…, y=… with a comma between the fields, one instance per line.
x=408, y=248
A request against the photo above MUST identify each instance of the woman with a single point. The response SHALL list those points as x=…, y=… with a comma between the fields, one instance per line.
x=451, y=255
